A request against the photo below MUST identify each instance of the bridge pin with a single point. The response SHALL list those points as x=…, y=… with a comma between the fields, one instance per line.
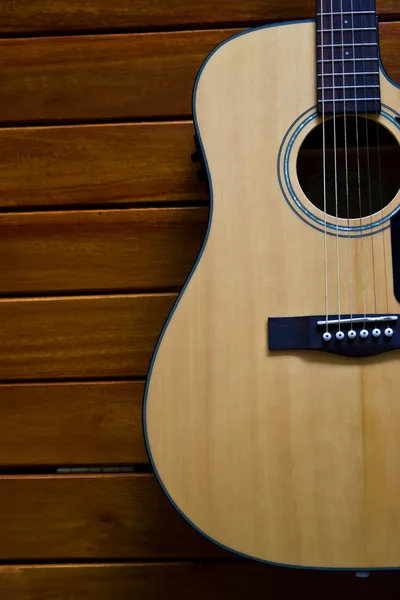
x=364, y=333
x=340, y=336
x=352, y=334
x=327, y=336
x=376, y=333
x=389, y=332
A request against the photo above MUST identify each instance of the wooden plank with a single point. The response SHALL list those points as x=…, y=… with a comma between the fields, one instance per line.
x=97, y=165
x=121, y=250
x=95, y=78
x=68, y=79
x=95, y=337
x=19, y=16
x=182, y=580
x=390, y=33
x=93, y=517
x=49, y=424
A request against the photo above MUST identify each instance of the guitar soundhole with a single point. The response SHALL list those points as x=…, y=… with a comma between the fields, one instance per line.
x=373, y=173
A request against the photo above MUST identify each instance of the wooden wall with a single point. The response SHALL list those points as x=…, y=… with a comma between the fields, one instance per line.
x=101, y=218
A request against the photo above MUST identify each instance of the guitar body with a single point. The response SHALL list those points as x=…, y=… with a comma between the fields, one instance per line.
x=286, y=457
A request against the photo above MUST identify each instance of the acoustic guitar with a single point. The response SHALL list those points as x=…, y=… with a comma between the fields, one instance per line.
x=272, y=409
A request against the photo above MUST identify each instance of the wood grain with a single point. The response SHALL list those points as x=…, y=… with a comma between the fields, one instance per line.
x=93, y=517
x=97, y=337
x=119, y=250
x=98, y=165
x=72, y=424
x=115, y=77
x=19, y=16
x=181, y=580
x=313, y=436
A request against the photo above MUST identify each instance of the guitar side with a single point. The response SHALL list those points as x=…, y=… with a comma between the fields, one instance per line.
x=289, y=458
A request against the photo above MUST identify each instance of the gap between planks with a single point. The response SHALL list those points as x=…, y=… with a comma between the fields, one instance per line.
x=41, y=381
x=103, y=208
x=146, y=32
x=72, y=382
x=171, y=121
x=116, y=562
x=44, y=124
x=57, y=471
x=194, y=27
x=68, y=476
x=89, y=296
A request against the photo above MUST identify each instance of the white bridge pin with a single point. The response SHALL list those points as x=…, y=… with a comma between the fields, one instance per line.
x=340, y=336
x=352, y=334
x=389, y=332
x=327, y=336
x=364, y=333
x=376, y=333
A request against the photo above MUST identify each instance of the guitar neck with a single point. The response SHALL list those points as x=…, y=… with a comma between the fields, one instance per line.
x=347, y=57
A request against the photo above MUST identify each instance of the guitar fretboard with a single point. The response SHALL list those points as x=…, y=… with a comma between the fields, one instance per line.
x=347, y=57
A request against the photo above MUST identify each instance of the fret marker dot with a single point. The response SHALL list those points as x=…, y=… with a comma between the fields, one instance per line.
x=347, y=53
x=346, y=22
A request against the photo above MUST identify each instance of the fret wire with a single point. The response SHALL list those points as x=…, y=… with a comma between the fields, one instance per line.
x=346, y=45
x=349, y=100
x=348, y=60
x=347, y=12
x=346, y=29
x=376, y=73
x=348, y=87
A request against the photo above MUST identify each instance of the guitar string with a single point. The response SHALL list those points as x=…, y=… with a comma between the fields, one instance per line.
x=359, y=172
x=372, y=237
x=336, y=176
x=324, y=173
x=346, y=155
x=384, y=233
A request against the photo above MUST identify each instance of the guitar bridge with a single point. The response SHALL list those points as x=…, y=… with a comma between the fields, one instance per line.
x=348, y=335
